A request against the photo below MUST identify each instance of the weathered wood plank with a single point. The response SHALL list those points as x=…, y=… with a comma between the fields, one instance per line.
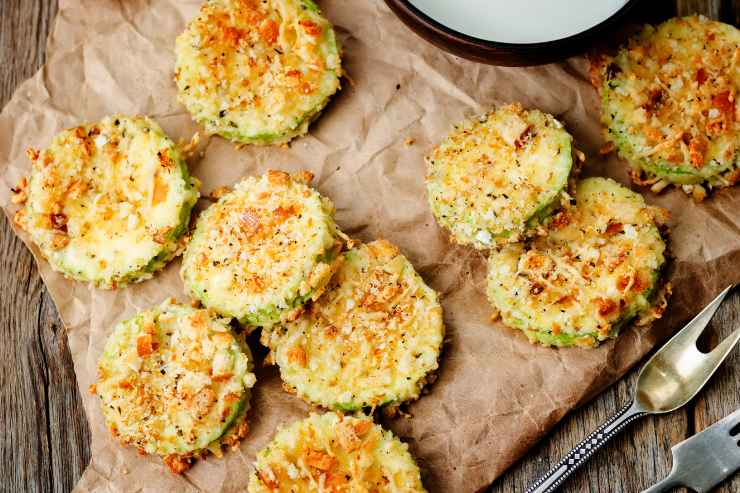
x=45, y=438
x=710, y=8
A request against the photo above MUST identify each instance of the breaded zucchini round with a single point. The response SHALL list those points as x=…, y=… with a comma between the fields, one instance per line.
x=330, y=452
x=373, y=338
x=257, y=71
x=173, y=380
x=108, y=202
x=597, y=269
x=669, y=101
x=499, y=175
x=263, y=250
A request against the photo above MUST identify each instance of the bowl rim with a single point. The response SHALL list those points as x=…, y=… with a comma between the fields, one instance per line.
x=441, y=29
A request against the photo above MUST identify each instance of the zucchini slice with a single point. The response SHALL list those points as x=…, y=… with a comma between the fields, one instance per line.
x=257, y=72
x=173, y=380
x=670, y=102
x=499, y=176
x=263, y=250
x=373, y=338
x=330, y=452
x=108, y=202
x=597, y=269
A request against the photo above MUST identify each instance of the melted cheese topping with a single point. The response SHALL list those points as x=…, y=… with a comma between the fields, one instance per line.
x=498, y=175
x=372, y=338
x=331, y=453
x=263, y=250
x=108, y=201
x=172, y=379
x=257, y=71
x=597, y=269
x=670, y=101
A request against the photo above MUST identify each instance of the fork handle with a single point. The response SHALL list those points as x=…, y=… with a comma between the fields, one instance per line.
x=585, y=449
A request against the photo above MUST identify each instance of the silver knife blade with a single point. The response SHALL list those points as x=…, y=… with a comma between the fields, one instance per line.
x=706, y=459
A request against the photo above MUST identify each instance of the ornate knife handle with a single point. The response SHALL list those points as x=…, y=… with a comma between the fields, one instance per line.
x=585, y=449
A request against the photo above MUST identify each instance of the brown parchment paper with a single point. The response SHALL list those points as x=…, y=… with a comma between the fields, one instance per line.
x=496, y=393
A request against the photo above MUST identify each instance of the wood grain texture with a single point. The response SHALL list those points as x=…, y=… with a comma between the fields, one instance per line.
x=45, y=438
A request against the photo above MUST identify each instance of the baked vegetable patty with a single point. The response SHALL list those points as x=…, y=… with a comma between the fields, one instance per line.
x=263, y=250
x=499, y=175
x=598, y=268
x=257, y=71
x=172, y=380
x=373, y=338
x=108, y=202
x=669, y=101
x=330, y=452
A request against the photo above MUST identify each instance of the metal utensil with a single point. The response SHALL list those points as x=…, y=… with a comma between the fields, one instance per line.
x=667, y=381
x=706, y=459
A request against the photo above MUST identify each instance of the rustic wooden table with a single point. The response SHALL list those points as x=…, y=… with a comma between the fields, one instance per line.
x=45, y=437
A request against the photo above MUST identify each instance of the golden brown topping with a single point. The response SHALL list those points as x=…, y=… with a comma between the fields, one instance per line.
x=161, y=235
x=613, y=228
x=319, y=460
x=59, y=241
x=268, y=479
x=164, y=158
x=724, y=102
x=33, y=154
x=311, y=27
x=203, y=401
x=303, y=176
x=145, y=345
x=606, y=306
x=277, y=177
x=701, y=76
x=560, y=220
x=269, y=31
x=20, y=191
x=250, y=221
x=177, y=463
x=607, y=148
x=697, y=148
x=281, y=214
x=297, y=355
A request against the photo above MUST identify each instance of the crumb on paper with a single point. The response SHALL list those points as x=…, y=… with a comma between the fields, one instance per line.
x=92, y=388
x=495, y=315
x=189, y=149
x=20, y=192
x=409, y=141
x=658, y=186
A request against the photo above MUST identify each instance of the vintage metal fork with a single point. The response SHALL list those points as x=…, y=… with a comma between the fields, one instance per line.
x=670, y=379
x=706, y=459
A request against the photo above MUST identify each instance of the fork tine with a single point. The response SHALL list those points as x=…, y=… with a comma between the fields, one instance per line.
x=692, y=330
x=720, y=352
